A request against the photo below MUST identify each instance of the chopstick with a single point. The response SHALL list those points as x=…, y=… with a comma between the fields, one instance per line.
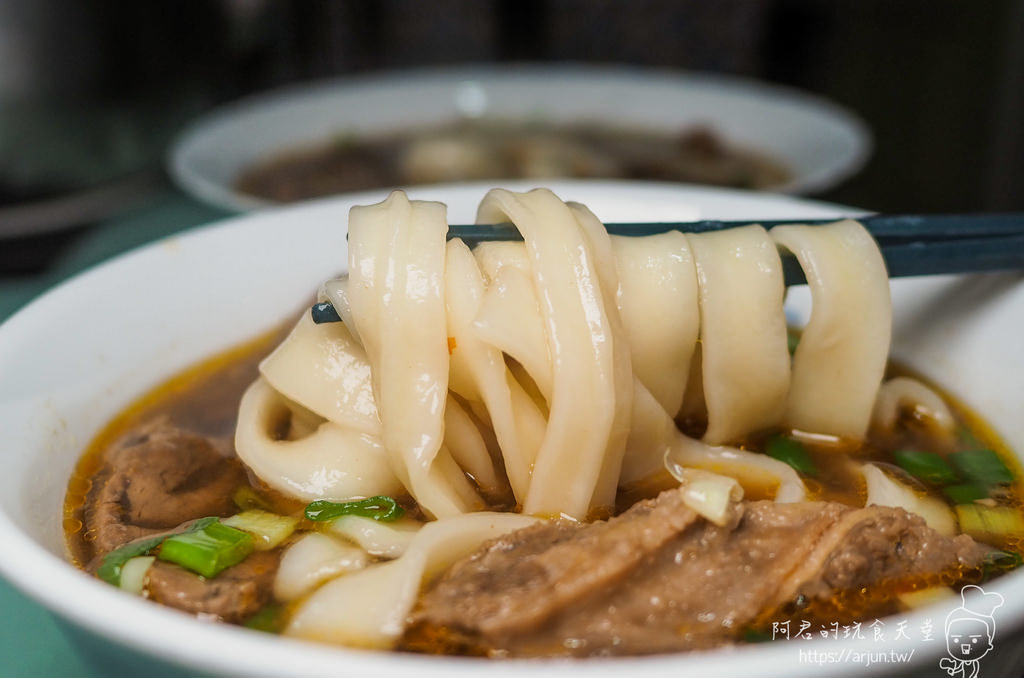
x=911, y=245
x=883, y=227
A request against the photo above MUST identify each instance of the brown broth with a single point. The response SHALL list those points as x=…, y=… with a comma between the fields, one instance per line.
x=205, y=399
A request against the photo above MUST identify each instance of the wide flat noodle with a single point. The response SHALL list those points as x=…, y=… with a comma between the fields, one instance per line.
x=510, y=319
x=331, y=463
x=904, y=393
x=743, y=331
x=325, y=370
x=335, y=291
x=494, y=255
x=368, y=608
x=384, y=539
x=656, y=444
x=575, y=457
x=312, y=560
x=757, y=473
x=469, y=450
x=841, y=357
x=600, y=245
x=657, y=301
x=321, y=368
x=479, y=373
x=548, y=371
x=396, y=295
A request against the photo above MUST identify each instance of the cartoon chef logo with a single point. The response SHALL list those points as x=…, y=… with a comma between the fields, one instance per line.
x=970, y=629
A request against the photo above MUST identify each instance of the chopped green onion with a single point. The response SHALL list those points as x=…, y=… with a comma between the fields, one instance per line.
x=113, y=563
x=200, y=524
x=269, y=619
x=111, y=567
x=968, y=493
x=268, y=529
x=133, y=573
x=926, y=466
x=982, y=466
x=757, y=636
x=378, y=508
x=791, y=452
x=997, y=562
x=989, y=522
x=1006, y=560
x=208, y=551
x=247, y=498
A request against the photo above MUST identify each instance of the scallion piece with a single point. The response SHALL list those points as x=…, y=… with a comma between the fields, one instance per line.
x=208, y=551
x=926, y=466
x=133, y=574
x=379, y=508
x=247, y=498
x=1004, y=560
x=110, y=569
x=751, y=635
x=201, y=524
x=999, y=562
x=269, y=619
x=268, y=529
x=791, y=452
x=982, y=466
x=966, y=493
x=986, y=523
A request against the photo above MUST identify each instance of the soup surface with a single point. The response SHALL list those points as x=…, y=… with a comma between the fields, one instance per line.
x=497, y=149
x=200, y=406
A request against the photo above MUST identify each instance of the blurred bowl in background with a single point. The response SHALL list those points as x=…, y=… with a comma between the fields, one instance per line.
x=456, y=124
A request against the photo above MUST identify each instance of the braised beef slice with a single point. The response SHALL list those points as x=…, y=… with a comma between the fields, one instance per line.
x=699, y=588
x=550, y=566
x=157, y=478
x=233, y=596
x=879, y=543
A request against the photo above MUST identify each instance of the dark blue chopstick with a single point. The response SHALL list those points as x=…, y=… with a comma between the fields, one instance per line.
x=324, y=312
x=883, y=227
x=911, y=244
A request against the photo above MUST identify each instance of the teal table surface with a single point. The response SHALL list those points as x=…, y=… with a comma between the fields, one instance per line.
x=32, y=642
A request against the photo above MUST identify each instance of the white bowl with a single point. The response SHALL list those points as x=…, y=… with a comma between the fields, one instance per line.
x=819, y=141
x=82, y=352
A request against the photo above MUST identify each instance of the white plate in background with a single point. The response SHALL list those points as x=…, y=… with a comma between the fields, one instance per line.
x=820, y=142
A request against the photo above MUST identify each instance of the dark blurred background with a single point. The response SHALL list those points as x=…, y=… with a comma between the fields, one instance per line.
x=92, y=91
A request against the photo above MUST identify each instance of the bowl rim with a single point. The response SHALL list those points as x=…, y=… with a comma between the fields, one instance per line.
x=184, y=158
x=75, y=596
